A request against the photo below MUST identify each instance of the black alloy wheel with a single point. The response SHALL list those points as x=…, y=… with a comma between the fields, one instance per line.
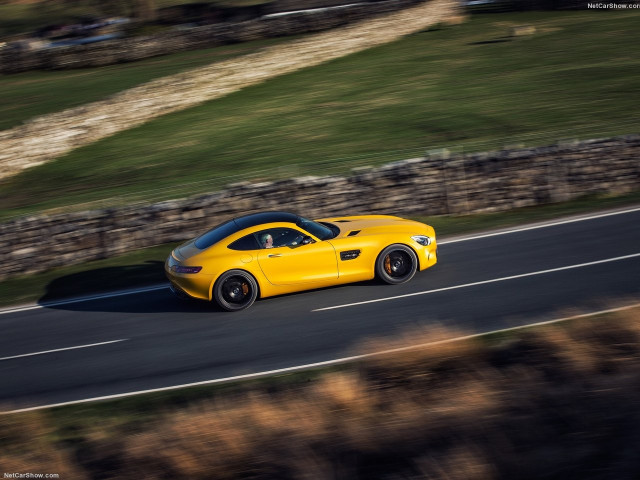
x=396, y=264
x=235, y=290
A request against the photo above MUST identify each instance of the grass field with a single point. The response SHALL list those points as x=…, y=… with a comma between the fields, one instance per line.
x=468, y=85
x=30, y=94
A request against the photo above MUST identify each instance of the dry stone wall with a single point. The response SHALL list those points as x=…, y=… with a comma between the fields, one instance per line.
x=438, y=184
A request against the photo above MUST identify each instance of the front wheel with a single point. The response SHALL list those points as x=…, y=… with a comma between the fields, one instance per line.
x=396, y=264
x=235, y=290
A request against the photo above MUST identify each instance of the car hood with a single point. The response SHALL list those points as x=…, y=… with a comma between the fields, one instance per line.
x=374, y=224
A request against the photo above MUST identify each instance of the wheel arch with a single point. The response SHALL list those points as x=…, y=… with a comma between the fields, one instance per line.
x=375, y=262
x=215, y=280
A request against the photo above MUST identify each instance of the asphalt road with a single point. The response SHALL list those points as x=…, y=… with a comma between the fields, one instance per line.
x=479, y=285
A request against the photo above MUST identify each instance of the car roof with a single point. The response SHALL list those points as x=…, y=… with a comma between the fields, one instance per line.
x=254, y=219
x=237, y=224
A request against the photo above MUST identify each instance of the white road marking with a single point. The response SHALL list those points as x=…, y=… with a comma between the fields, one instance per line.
x=483, y=282
x=24, y=308
x=536, y=226
x=63, y=349
x=90, y=298
x=336, y=361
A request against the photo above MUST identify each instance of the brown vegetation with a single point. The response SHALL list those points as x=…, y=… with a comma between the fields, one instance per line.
x=26, y=446
x=555, y=402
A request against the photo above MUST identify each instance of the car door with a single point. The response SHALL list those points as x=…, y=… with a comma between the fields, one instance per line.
x=290, y=262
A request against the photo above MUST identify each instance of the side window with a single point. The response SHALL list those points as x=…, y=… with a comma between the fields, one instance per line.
x=247, y=242
x=279, y=237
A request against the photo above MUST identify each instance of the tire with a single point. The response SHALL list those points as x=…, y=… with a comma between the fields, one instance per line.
x=396, y=264
x=235, y=290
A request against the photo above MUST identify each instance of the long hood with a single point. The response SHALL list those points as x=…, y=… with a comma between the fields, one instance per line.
x=374, y=224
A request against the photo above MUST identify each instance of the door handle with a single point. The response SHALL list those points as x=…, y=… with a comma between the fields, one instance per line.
x=273, y=255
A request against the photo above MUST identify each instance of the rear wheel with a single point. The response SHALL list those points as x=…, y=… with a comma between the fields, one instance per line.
x=396, y=264
x=235, y=290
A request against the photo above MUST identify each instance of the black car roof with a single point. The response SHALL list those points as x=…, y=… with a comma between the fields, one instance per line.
x=254, y=219
x=233, y=226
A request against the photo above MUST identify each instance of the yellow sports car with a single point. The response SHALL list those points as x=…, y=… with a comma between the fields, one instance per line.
x=272, y=253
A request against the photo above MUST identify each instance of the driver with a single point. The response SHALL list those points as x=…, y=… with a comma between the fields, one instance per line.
x=266, y=240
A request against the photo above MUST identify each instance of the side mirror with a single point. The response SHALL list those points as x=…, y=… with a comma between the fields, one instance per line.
x=307, y=240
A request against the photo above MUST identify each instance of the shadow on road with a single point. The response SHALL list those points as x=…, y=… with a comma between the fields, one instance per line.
x=114, y=279
x=138, y=277
x=104, y=280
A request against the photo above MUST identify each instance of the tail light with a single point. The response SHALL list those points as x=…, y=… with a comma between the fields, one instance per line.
x=183, y=269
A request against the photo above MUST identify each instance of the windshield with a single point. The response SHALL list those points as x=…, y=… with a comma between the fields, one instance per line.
x=316, y=229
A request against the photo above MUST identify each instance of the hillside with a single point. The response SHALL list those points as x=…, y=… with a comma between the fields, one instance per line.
x=50, y=136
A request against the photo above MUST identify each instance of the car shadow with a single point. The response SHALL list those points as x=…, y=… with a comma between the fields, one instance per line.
x=105, y=290
x=100, y=280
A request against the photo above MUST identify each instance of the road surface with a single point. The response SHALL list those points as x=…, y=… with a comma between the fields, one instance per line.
x=148, y=340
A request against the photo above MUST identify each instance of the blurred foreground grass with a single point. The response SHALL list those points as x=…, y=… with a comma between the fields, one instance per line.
x=468, y=87
x=557, y=401
x=146, y=267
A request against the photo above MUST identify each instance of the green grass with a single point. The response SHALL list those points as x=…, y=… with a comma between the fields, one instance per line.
x=18, y=18
x=146, y=266
x=465, y=86
x=30, y=94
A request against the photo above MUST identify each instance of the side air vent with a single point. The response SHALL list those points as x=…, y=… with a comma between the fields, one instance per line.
x=343, y=221
x=349, y=254
x=353, y=233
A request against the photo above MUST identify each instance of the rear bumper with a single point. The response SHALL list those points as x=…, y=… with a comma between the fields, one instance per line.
x=196, y=285
x=178, y=292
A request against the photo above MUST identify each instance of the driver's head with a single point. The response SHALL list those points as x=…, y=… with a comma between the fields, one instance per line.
x=266, y=241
